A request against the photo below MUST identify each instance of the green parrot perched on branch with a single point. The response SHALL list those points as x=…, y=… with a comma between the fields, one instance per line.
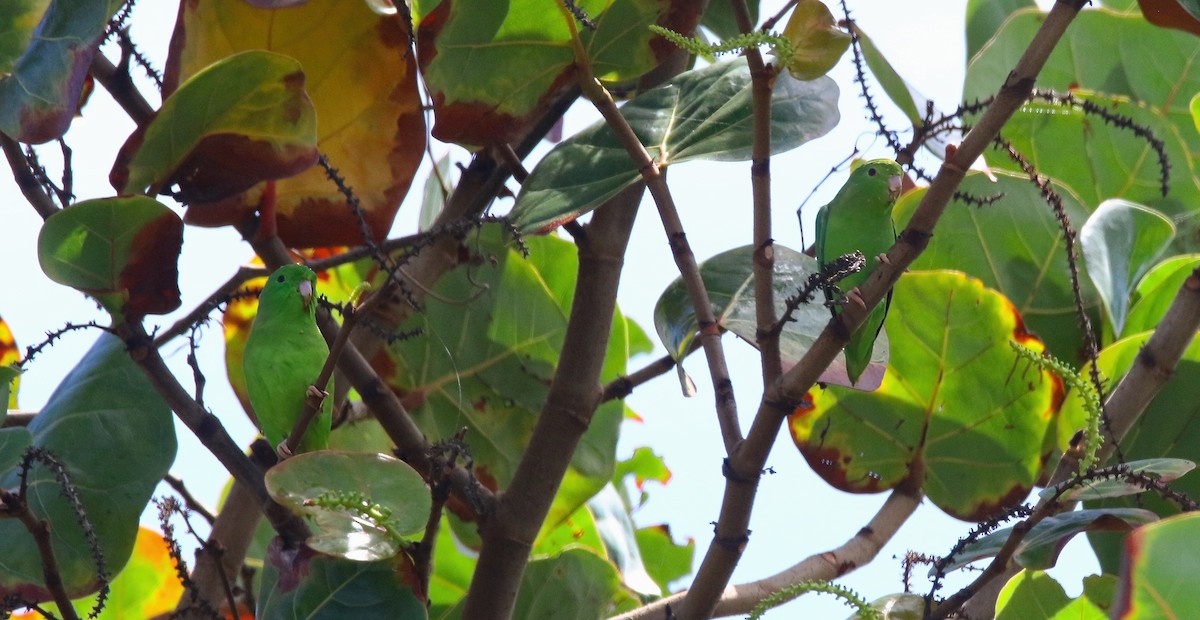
x=859, y=218
x=283, y=356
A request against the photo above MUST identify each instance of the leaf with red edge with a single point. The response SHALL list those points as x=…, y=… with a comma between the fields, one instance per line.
x=361, y=77
x=948, y=407
x=241, y=121
x=494, y=67
x=40, y=89
x=122, y=251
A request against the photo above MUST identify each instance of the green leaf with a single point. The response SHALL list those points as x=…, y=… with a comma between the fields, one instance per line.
x=816, y=40
x=643, y=465
x=122, y=251
x=451, y=578
x=18, y=19
x=729, y=278
x=701, y=114
x=1100, y=590
x=8, y=394
x=1167, y=428
x=1030, y=594
x=104, y=407
x=1121, y=240
x=911, y=102
x=1014, y=246
x=307, y=585
x=40, y=93
x=943, y=404
x=986, y=17
x=363, y=503
x=718, y=18
x=494, y=67
x=10, y=380
x=1041, y=546
x=13, y=442
x=487, y=366
x=577, y=584
x=1102, y=60
x=1155, y=292
x=1035, y=594
x=665, y=560
x=1157, y=574
x=1194, y=107
x=1164, y=470
x=243, y=120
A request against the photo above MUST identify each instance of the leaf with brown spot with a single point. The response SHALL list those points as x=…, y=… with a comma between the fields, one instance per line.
x=361, y=78
x=122, y=251
x=495, y=67
x=241, y=121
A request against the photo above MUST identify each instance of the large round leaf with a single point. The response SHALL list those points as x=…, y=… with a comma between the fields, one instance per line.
x=363, y=503
x=702, y=114
x=1014, y=246
x=956, y=400
x=122, y=251
x=115, y=438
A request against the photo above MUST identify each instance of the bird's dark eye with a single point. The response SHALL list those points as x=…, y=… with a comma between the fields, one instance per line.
x=870, y=172
x=280, y=279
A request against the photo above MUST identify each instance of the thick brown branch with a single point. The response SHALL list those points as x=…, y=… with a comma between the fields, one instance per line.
x=508, y=533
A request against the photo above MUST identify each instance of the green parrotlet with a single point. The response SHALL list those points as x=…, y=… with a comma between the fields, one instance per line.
x=860, y=218
x=283, y=356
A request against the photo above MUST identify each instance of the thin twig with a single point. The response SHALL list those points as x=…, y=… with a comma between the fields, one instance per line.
x=26, y=180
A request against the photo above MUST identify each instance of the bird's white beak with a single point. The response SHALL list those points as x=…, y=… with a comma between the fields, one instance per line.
x=305, y=288
x=895, y=185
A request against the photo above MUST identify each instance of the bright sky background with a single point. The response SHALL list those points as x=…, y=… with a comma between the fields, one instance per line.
x=797, y=515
